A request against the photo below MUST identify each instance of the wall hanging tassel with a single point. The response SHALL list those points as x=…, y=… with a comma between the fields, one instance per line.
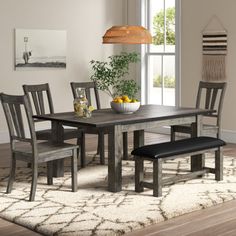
x=214, y=50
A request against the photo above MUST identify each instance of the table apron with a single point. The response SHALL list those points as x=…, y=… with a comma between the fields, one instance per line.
x=155, y=124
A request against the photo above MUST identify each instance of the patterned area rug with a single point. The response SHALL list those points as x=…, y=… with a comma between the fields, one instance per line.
x=95, y=211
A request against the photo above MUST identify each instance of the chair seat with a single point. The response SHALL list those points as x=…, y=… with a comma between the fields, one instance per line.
x=46, y=151
x=178, y=147
x=47, y=134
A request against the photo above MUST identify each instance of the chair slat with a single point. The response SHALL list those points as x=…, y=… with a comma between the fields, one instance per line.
x=41, y=103
x=213, y=99
x=208, y=98
x=14, y=119
x=20, y=120
x=36, y=103
x=97, y=98
x=88, y=96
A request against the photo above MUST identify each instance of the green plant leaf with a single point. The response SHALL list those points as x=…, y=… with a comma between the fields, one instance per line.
x=109, y=76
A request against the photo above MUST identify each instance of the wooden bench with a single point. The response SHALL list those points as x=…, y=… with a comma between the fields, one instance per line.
x=157, y=153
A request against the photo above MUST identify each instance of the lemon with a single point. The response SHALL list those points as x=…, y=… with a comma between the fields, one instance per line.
x=127, y=100
x=134, y=100
x=116, y=99
x=119, y=100
x=125, y=97
x=91, y=108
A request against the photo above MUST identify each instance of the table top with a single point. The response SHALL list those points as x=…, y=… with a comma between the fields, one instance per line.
x=108, y=117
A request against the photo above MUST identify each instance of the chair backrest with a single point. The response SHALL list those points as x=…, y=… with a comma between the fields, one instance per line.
x=214, y=96
x=88, y=86
x=19, y=119
x=40, y=98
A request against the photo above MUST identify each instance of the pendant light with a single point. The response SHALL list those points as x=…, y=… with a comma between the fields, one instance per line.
x=127, y=34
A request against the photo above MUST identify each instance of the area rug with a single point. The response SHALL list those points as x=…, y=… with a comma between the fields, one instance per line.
x=95, y=211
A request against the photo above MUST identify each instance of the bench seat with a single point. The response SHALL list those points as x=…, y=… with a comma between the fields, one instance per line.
x=169, y=150
x=179, y=147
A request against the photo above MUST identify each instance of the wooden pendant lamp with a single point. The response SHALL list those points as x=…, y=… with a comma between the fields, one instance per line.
x=127, y=34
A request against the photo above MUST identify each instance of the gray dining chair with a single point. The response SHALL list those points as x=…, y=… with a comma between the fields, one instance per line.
x=41, y=102
x=24, y=145
x=91, y=87
x=210, y=96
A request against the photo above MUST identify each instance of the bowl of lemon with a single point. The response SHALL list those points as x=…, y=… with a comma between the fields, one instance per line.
x=125, y=105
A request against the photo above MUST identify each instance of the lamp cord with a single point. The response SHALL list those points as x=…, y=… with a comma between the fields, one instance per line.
x=127, y=12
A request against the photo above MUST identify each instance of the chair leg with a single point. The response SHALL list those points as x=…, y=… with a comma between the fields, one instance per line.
x=81, y=150
x=12, y=174
x=98, y=146
x=172, y=133
x=74, y=171
x=157, y=178
x=218, y=164
x=138, y=174
x=50, y=173
x=125, y=146
x=34, y=181
x=101, y=147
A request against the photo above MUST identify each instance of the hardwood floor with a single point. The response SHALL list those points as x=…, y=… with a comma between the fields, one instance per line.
x=218, y=221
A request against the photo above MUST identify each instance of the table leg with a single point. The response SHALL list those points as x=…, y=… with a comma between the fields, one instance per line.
x=57, y=137
x=125, y=146
x=115, y=159
x=198, y=161
x=138, y=138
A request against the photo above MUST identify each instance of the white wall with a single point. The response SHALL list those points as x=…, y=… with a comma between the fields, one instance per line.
x=85, y=22
x=195, y=15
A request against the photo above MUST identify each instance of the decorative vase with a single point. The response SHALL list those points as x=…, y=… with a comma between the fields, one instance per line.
x=81, y=103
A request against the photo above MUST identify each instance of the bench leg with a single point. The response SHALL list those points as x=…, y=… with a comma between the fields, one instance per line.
x=218, y=164
x=157, y=178
x=197, y=162
x=138, y=174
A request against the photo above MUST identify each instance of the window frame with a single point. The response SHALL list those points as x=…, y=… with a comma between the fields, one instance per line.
x=145, y=53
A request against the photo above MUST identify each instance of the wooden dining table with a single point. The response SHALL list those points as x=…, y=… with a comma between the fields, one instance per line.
x=148, y=117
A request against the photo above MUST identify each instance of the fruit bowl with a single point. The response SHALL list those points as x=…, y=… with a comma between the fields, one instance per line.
x=125, y=108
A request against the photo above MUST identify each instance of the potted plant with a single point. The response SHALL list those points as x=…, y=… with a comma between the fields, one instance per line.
x=109, y=77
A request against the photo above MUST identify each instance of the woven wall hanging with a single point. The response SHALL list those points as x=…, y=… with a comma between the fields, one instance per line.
x=214, y=51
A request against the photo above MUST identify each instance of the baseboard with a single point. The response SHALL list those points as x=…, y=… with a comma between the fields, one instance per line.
x=228, y=136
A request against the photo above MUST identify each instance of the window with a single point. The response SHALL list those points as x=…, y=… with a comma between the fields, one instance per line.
x=160, y=76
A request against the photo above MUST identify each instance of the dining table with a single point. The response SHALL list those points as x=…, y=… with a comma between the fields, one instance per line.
x=146, y=118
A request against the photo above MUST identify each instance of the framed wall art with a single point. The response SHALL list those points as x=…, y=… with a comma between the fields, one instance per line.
x=38, y=48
